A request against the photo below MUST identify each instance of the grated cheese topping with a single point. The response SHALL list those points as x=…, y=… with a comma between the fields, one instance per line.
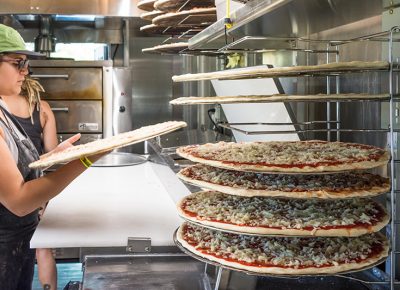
x=282, y=213
x=348, y=181
x=291, y=252
x=288, y=153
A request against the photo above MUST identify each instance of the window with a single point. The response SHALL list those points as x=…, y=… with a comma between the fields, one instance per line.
x=78, y=51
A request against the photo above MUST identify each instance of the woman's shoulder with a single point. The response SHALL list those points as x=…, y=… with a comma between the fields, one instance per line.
x=44, y=105
x=46, y=114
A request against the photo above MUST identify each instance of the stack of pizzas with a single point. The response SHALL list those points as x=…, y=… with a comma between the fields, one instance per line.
x=177, y=17
x=285, y=208
x=150, y=12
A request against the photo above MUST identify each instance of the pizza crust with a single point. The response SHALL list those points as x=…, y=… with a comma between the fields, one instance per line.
x=146, y=5
x=202, y=15
x=150, y=15
x=173, y=48
x=317, y=232
x=287, y=271
x=323, y=194
x=264, y=71
x=108, y=144
x=174, y=5
x=273, y=98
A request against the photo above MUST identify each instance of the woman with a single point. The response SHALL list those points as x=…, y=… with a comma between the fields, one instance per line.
x=22, y=190
x=37, y=119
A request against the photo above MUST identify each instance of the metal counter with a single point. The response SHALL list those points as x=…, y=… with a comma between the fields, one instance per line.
x=154, y=271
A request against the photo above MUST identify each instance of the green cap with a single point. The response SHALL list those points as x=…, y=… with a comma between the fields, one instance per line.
x=12, y=42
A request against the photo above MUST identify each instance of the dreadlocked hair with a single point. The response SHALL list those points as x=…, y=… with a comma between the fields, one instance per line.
x=31, y=90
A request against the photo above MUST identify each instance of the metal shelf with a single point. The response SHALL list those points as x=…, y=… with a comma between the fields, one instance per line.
x=233, y=126
x=260, y=18
x=262, y=44
x=264, y=71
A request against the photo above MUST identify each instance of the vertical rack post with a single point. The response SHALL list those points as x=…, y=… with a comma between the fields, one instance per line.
x=337, y=80
x=328, y=104
x=218, y=280
x=392, y=166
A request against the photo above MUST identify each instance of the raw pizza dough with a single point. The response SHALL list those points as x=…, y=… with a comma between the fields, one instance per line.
x=274, y=98
x=107, y=144
x=264, y=71
x=282, y=216
x=287, y=156
x=172, y=48
x=146, y=5
x=175, y=5
x=150, y=15
x=323, y=186
x=196, y=16
x=284, y=256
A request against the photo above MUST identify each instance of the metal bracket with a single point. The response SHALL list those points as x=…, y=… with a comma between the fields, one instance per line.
x=138, y=245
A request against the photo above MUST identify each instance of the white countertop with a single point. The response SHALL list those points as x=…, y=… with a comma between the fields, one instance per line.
x=106, y=205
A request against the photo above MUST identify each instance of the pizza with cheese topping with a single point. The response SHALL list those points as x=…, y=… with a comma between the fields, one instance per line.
x=324, y=186
x=287, y=156
x=284, y=256
x=282, y=216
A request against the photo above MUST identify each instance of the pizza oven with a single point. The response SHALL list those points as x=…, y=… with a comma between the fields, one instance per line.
x=82, y=94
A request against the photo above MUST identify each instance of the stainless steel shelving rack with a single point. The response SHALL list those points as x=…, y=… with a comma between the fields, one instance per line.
x=388, y=279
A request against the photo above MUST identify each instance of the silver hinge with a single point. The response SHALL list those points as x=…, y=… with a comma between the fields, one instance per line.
x=139, y=245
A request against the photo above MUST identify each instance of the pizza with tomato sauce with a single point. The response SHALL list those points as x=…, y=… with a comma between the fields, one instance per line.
x=287, y=156
x=284, y=256
x=282, y=216
x=323, y=186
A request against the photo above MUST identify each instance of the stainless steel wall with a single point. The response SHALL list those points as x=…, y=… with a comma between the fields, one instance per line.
x=352, y=115
x=152, y=89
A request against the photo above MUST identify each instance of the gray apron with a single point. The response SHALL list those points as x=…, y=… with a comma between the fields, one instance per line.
x=16, y=258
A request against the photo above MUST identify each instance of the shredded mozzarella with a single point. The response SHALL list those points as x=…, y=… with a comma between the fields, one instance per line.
x=292, y=252
x=280, y=212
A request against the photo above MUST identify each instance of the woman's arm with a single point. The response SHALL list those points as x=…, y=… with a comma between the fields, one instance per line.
x=22, y=198
x=48, y=123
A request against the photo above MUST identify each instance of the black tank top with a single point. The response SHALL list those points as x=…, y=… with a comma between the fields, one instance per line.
x=34, y=130
x=14, y=228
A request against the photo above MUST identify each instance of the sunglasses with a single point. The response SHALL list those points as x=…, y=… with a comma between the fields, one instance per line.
x=20, y=64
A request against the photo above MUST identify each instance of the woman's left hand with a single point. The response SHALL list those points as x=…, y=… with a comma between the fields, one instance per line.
x=63, y=145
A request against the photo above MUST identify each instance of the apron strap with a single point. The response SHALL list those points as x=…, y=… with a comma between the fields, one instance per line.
x=7, y=116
